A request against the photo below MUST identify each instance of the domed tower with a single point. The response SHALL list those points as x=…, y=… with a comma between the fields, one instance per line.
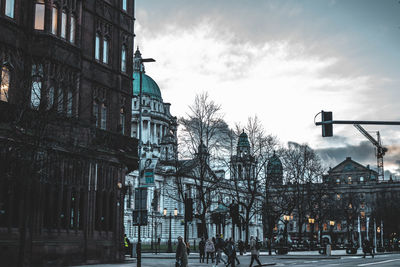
x=157, y=121
x=202, y=152
x=275, y=170
x=243, y=163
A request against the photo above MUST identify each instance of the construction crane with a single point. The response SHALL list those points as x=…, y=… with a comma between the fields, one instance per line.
x=379, y=149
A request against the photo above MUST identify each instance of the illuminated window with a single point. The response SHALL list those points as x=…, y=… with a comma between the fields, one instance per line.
x=325, y=226
x=97, y=47
x=39, y=15
x=69, y=103
x=339, y=227
x=124, y=5
x=361, y=179
x=338, y=196
x=10, y=8
x=5, y=84
x=105, y=51
x=337, y=180
x=362, y=214
x=72, y=29
x=36, y=87
x=54, y=22
x=123, y=59
x=64, y=24
x=349, y=180
x=103, y=123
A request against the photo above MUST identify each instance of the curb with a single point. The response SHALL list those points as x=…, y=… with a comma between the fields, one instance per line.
x=309, y=258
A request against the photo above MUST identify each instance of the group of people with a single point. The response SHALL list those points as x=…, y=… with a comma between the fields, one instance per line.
x=214, y=248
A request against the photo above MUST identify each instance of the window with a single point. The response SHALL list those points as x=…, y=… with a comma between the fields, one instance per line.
x=123, y=59
x=103, y=123
x=122, y=120
x=60, y=102
x=95, y=113
x=72, y=29
x=105, y=51
x=39, y=15
x=338, y=180
x=349, y=180
x=50, y=98
x=361, y=179
x=63, y=24
x=5, y=84
x=36, y=87
x=54, y=21
x=97, y=47
x=69, y=103
x=10, y=8
x=338, y=196
x=124, y=5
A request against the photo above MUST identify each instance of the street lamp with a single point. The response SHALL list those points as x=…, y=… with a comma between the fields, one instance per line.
x=169, y=249
x=311, y=222
x=286, y=219
x=138, y=66
x=332, y=224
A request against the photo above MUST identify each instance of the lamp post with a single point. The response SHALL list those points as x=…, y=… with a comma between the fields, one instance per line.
x=332, y=224
x=286, y=219
x=311, y=221
x=169, y=249
x=138, y=66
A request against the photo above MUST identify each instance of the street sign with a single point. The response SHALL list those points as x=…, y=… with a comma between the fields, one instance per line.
x=139, y=217
x=147, y=167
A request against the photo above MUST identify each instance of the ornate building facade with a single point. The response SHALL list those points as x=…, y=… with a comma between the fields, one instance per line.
x=65, y=111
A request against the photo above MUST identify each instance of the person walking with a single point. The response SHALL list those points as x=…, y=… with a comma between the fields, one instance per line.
x=219, y=247
x=366, y=246
x=230, y=250
x=254, y=252
x=181, y=255
x=202, y=247
x=210, y=249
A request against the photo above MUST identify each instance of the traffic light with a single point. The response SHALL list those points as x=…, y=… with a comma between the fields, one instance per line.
x=234, y=210
x=327, y=129
x=189, y=209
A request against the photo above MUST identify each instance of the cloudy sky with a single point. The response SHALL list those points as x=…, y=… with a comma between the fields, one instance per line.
x=284, y=61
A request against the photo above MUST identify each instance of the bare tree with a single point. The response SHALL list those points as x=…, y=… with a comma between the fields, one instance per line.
x=302, y=168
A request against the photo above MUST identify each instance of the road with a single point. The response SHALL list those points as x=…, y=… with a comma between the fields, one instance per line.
x=385, y=260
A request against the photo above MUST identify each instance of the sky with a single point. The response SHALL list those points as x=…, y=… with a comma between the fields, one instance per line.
x=283, y=61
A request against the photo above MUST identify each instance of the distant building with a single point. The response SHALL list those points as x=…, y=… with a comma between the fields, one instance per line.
x=65, y=145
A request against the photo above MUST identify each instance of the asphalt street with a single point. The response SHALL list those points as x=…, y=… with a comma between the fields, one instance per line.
x=385, y=260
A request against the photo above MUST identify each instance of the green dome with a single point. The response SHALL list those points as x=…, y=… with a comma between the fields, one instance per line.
x=149, y=86
x=243, y=140
x=274, y=166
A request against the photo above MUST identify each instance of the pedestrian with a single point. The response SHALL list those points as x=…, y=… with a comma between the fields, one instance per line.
x=254, y=251
x=219, y=247
x=241, y=247
x=366, y=246
x=231, y=253
x=127, y=244
x=181, y=255
x=202, y=247
x=210, y=249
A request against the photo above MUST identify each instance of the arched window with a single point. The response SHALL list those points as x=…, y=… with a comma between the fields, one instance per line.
x=124, y=5
x=10, y=8
x=36, y=87
x=64, y=24
x=97, y=47
x=39, y=15
x=123, y=59
x=72, y=29
x=105, y=50
x=5, y=84
x=103, y=123
x=54, y=21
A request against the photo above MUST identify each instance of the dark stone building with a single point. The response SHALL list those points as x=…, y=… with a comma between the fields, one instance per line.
x=65, y=148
